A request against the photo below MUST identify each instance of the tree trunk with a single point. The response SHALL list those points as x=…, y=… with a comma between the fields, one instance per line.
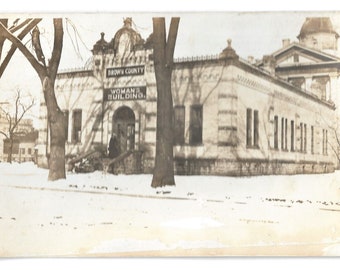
x=10, y=150
x=47, y=75
x=164, y=168
x=56, y=124
x=163, y=174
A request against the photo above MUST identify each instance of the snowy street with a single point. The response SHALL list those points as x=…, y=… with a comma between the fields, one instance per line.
x=117, y=215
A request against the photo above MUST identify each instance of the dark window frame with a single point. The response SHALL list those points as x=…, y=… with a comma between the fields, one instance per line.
x=292, y=136
x=312, y=140
x=286, y=134
x=76, y=125
x=276, y=132
x=196, y=125
x=282, y=133
x=305, y=138
x=67, y=116
x=256, y=128
x=179, y=127
x=249, y=128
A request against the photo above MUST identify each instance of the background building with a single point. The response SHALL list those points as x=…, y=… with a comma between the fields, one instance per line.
x=24, y=141
x=232, y=116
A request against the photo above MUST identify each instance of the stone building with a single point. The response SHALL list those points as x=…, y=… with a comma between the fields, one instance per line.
x=24, y=140
x=231, y=116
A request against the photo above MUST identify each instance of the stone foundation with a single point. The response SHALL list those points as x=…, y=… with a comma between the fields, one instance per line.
x=249, y=167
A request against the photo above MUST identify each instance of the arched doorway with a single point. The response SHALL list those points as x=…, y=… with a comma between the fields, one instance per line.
x=123, y=126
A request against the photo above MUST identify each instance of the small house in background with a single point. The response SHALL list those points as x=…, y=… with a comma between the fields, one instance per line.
x=24, y=149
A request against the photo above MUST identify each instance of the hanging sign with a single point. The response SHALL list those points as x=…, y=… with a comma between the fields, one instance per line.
x=125, y=93
x=124, y=71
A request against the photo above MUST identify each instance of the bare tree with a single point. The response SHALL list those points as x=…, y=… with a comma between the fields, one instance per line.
x=14, y=119
x=163, y=60
x=47, y=71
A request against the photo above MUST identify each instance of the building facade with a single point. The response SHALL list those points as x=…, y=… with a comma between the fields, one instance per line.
x=231, y=116
x=24, y=141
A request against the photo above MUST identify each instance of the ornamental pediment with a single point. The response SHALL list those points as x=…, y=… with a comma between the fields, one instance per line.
x=295, y=54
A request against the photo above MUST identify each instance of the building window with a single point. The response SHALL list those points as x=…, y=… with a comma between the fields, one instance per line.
x=76, y=125
x=29, y=151
x=296, y=58
x=292, y=137
x=252, y=128
x=22, y=151
x=196, y=120
x=319, y=86
x=179, y=125
x=312, y=140
x=276, y=132
x=282, y=133
x=66, y=115
x=301, y=137
x=286, y=134
x=256, y=128
x=324, y=141
x=130, y=142
x=298, y=82
x=305, y=138
x=249, y=127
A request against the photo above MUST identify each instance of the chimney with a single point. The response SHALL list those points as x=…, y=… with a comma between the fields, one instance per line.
x=285, y=42
x=269, y=64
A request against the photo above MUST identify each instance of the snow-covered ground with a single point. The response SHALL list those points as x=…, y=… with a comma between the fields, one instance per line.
x=99, y=214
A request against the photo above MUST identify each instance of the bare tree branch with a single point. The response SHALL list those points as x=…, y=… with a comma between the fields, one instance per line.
x=8, y=116
x=13, y=48
x=37, y=45
x=15, y=28
x=2, y=38
x=25, y=109
x=172, y=36
x=3, y=133
x=17, y=42
x=57, y=48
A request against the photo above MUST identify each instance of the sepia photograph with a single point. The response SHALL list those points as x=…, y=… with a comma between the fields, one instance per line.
x=170, y=134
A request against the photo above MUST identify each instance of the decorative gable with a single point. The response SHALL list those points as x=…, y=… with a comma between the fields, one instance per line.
x=296, y=53
x=295, y=56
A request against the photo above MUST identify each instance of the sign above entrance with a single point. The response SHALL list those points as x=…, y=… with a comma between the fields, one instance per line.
x=125, y=71
x=125, y=93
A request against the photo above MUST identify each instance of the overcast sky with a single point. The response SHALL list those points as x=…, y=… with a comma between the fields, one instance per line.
x=253, y=34
x=200, y=33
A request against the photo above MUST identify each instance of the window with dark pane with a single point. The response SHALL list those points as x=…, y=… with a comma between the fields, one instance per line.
x=249, y=127
x=179, y=125
x=256, y=128
x=66, y=115
x=276, y=132
x=196, y=120
x=76, y=125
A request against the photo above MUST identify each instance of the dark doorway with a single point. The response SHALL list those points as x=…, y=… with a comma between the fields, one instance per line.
x=123, y=126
